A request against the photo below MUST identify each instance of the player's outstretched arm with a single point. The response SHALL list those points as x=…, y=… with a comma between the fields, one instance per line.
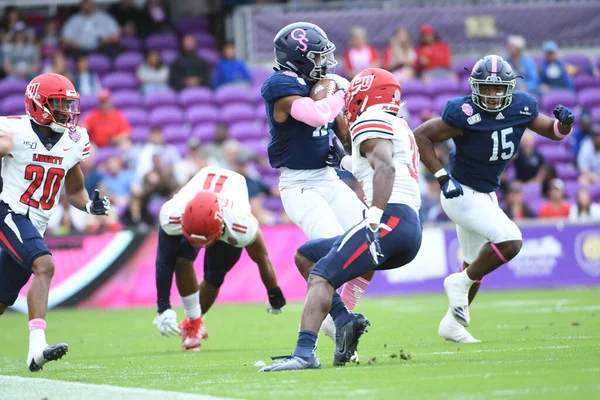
x=78, y=197
x=342, y=131
x=380, y=153
x=257, y=250
x=433, y=131
x=6, y=144
x=305, y=109
x=555, y=129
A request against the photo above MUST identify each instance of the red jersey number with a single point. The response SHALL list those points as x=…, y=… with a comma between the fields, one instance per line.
x=414, y=168
x=52, y=180
x=218, y=185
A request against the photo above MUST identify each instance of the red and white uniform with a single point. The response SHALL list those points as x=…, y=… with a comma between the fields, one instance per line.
x=32, y=174
x=240, y=226
x=376, y=124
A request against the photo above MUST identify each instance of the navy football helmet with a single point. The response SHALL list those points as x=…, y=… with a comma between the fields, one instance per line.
x=492, y=82
x=304, y=48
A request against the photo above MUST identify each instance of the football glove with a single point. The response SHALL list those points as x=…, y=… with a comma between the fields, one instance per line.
x=341, y=82
x=167, y=323
x=373, y=237
x=336, y=154
x=276, y=302
x=564, y=115
x=451, y=188
x=98, y=206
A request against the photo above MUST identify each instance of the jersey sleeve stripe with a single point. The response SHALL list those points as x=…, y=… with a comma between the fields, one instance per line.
x=374, y=131
x=368, y=121
x=87, y=148
x=373, y=125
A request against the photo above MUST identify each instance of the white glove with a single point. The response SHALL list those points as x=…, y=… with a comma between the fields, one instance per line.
x=167, y=323
x=272, y=310
x=342, y=83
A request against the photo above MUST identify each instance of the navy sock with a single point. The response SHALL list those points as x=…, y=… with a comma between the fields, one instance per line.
x=306, y=344
x=339, y=312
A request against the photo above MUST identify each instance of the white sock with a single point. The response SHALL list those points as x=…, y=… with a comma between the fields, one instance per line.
x=464, y=279
x=191, y=305
x=37, y=334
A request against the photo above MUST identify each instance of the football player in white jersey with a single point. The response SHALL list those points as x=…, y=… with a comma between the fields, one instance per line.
x=212, y=211
x=40, y=152
x=385, y=159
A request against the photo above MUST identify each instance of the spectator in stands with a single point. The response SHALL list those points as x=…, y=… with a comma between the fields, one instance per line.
x=258, y=191
x=153, y=74
x=433, y=55
x=51, y=40
x=216, y=149
x=158, y=182
x=588, y=159
x=557, y=206
x=523, y=66
x=91, y=30
x=59, y=65
x=118, y=183
x=516, y=209
x=128, y=16
x=230, y=69
x=156, y=145
x=12, y=16
x=586, y=122
x=106, y=125
x=584, y=209
x=529, y=161
x=400, y=56
x=553, y=74
x=431, y=208
x=548, y=174
x=87, y=82
x=21, y=55
x=93, y=177
x=189, y=70
x=156, y=18
x=360, y=54
x=194, y=160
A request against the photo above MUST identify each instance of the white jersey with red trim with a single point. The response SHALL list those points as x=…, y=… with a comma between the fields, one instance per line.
x=376, y=124
x=32, y=173
x=240, y=225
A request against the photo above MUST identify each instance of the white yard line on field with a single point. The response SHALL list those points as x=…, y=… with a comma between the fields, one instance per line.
x=17, y=388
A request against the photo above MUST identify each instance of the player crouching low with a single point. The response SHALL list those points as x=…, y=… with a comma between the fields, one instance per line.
x=385, y=160
x=211, y=211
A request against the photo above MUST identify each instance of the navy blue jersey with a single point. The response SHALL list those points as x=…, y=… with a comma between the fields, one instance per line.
x=489, y=139
x=294, y=144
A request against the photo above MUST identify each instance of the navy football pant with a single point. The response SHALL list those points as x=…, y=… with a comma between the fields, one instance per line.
x=21, y=245
x=343, y=258
x=219, y=259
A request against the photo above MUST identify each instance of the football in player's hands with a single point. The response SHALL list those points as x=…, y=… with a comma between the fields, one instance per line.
x=323, y=89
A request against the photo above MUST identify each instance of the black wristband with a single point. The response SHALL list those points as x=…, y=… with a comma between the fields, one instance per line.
x=442, y=180
x=276, y=298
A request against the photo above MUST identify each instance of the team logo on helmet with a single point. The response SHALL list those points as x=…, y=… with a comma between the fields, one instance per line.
x=74, y=135
x=361, y=84
x=299, y=35
x=32, y=90
x=467, y=109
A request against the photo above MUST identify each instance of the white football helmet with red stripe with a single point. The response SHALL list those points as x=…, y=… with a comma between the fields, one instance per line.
x=373, y=88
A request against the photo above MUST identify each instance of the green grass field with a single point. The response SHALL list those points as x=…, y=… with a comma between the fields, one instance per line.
x=536, y=344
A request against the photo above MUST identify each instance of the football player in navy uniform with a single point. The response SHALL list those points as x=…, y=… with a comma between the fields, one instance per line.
x=486, y=128
x=313, y=195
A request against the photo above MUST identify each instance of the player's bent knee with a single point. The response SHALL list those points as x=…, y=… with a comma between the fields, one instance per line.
x=509, y=249
x=43, y=265
x=303, y=264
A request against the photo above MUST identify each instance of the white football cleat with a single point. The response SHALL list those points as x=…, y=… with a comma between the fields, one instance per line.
x=328, y=327
x=450, y=329
x=458, y=296
x=37, y=358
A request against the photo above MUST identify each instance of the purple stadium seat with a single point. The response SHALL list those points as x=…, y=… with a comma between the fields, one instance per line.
x=580, y=60
x=589, y=98
x=595, y=192
x=119, y=81
x=465, y=86
x=596, y=114
x=247, y=130
x=531, y=190
x=155, y=205
x=176, y=133
x=126, y=98
x=104, y=153
x=271, y=180
x=210, y=56
x=196, y=95
x=182, y=148
x=169, y=55
x=459, y=66
x=442, y=86
x=258, y=147
x=131, y=43
x=190, y=24
x=255, y=95
x=162, y=41
x=260, y=75
x=205, y=132
x=414, y=121
x=205, y=40
x=440, y=102
x=555, y=154
x=13, y=105
x=99, y=63
x=585, y=81
x=166, y=115
x=414, y=104
x=261, y=113
x=232, y=94
x=273, y=204
x=136, y=116
x=554, y=97
x=566, y=171
x=571, y=188
x=202, y=114
x=535, y=204
x=128, y=62
x=161, y=98
x=412, y=88
x=237, y=112
x=139, y=133
x=88, y=103
x=10, y=86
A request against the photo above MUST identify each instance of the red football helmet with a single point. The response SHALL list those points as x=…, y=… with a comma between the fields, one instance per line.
x=202, y=221
x=51, y=99
x=372, y=87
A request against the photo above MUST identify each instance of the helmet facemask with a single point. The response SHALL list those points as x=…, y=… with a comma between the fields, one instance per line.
x=65, y=113
x=324, y=62
x=493, y=95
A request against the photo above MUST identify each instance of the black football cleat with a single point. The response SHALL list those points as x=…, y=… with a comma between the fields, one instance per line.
x=346, y=338
x=50, y=353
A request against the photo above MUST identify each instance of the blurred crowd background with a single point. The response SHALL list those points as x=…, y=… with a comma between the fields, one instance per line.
x=162, y=97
